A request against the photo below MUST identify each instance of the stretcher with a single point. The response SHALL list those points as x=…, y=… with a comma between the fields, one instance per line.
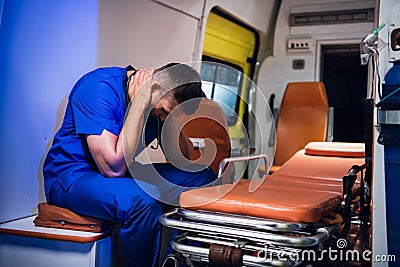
x=307, y=205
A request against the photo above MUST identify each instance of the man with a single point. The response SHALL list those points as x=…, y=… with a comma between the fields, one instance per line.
x=112, y=114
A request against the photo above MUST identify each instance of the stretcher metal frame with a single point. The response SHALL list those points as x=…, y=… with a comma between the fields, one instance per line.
x=248, y=233
x=267, y=242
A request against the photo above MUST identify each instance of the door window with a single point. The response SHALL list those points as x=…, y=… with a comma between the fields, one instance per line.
x=223, y=84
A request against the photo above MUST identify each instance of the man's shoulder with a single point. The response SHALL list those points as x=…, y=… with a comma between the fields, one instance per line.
x=105, y=79
x=106, y=72
x=111, y=76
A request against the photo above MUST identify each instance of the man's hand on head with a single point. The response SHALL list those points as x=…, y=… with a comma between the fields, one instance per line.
x=140, y=87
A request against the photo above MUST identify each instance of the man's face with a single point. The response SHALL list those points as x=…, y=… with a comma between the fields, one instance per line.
x=163, y=107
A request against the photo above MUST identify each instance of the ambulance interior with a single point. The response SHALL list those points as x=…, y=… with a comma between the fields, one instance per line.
x=301, y=165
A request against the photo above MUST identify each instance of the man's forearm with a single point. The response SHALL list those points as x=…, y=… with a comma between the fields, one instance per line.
x=176, y=145
x=185, y=145
x=130, y=134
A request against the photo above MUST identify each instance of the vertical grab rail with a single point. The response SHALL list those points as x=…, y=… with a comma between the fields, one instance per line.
x=226, y=161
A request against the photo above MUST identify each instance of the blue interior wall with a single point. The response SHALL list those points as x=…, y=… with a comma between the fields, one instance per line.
x=45, y=46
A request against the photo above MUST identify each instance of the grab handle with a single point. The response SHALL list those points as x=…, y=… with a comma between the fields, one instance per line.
x=226, y=161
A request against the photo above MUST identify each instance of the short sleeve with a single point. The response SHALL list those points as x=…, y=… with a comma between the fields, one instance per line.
x=94, y=106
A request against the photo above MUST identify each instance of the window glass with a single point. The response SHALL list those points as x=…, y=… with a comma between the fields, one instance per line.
x=227, y=95
x=222, y=84
x=207, y=88
x=228, y=76
x=207, y=72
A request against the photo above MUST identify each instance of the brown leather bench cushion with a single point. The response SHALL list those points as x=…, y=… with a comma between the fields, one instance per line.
x=58, y=217
x=286, y=204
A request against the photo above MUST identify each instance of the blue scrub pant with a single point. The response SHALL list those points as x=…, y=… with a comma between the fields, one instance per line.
x=171, y=181
x=128, y=202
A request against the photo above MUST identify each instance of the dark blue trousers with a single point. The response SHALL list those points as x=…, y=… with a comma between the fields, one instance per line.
x=133, y=203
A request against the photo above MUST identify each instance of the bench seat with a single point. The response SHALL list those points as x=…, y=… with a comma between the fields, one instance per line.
x=24, y=244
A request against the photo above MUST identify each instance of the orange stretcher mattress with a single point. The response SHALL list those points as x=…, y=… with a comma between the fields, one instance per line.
x=306, y=188
x=285, y=204
x=284, y=181
x=320, y=166
x=323, y=168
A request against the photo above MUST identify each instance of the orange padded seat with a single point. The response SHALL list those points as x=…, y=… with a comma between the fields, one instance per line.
x=208, y=122
x=303, y=117
x=293, y=204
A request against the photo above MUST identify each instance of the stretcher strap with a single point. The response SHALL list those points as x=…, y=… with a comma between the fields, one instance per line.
x=224, y=256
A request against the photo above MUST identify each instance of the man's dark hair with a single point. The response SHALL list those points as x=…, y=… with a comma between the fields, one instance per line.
x=182, y=81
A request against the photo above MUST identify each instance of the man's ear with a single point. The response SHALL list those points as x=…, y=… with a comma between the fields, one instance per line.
x=155, y=86
x=155, y=92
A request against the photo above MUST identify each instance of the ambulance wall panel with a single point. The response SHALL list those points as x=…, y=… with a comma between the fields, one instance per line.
x=45, y=47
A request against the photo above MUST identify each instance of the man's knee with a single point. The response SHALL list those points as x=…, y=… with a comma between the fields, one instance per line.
x=138, y=206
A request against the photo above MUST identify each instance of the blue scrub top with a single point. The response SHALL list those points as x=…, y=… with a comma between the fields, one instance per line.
x=97, y=102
